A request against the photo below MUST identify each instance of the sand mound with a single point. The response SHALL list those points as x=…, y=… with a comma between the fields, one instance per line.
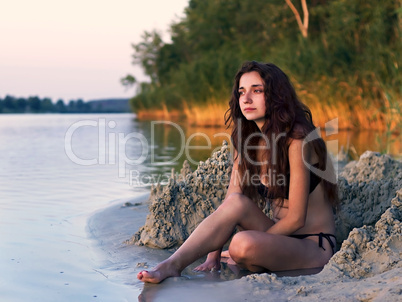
x=371, y=250
x=366, y=188
x=189, y=197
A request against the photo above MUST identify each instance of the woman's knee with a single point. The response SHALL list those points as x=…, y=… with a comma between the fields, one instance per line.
x=243, y=246
x=245, y=250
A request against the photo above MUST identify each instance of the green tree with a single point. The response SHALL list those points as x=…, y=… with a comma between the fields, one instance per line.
x=10, y=104
x=146, y=53
x=22, y=105
x=81, y=107
x=128, y=81
x=47, y=105
x=60, y=106
x=357, y=42
x=71, y=108
x=34, y=104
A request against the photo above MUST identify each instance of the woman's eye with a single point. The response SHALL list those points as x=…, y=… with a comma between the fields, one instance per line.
x=241, y=92
x=257, y=91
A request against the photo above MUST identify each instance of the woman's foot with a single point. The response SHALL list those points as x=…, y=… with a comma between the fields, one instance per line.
x=162, y=271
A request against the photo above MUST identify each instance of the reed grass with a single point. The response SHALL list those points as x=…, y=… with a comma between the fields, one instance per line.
x=357, y=103
x=206, y=115
x=209, y=114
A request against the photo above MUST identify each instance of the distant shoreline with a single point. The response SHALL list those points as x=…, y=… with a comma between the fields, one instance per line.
x=34, y=105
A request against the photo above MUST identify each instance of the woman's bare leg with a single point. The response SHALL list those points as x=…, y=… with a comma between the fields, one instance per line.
x=259, y=251
x=212, y=233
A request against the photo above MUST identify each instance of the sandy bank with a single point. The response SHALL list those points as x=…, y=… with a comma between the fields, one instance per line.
x=369, y=229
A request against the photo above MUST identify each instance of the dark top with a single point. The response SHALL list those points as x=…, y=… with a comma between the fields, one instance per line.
x=314, y=182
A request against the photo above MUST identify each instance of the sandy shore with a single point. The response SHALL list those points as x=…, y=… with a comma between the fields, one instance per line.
x=367, y=266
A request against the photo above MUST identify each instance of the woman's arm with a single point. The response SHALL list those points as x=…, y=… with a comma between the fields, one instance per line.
x=298, y=192
x=235, y=179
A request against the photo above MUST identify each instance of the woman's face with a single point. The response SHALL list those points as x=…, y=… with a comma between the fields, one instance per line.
x=252, y=97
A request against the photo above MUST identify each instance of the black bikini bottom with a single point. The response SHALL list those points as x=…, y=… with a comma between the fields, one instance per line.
x=320, y=236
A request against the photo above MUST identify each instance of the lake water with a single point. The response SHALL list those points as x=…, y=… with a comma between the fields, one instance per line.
x=63, y=180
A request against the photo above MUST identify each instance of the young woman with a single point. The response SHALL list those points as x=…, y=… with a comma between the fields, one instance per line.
x=273, y=161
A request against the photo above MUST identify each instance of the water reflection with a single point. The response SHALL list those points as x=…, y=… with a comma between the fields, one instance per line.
x=357, y=142
x=170, y=144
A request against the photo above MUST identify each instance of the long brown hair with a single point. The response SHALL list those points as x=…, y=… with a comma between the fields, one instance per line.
x=286, y=118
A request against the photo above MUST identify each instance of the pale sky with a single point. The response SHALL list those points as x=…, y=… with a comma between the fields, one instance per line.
x=76, y=48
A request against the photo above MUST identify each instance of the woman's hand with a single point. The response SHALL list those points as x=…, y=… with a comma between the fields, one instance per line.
x=210, y=265
x=228, y=259
x=213, y=263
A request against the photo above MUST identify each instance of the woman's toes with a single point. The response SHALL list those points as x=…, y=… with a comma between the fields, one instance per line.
x=140, y=275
